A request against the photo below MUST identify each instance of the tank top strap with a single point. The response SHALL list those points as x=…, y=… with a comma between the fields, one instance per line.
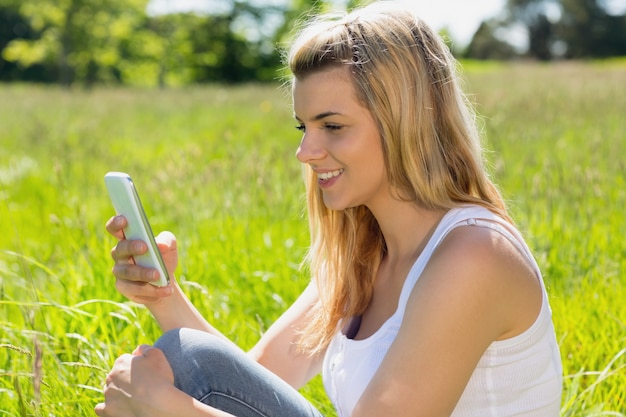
x=469, y=215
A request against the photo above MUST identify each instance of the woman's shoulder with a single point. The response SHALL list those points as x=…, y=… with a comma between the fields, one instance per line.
x=472, y=232
x=482, y=266
x=484, y=250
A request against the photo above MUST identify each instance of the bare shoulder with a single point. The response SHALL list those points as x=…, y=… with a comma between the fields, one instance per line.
x=478, y=241
x=480, y=265
x=485, y=253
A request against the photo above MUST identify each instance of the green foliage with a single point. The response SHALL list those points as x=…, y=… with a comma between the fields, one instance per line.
x=569, y=28
x=590, y=31
x=486, y=45
x=215, y=165
x=81, y=36
x=91, y=41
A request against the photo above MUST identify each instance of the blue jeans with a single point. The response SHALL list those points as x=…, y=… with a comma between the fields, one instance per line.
x=215, y=373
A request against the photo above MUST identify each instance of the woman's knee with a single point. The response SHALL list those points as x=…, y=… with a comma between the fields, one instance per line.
x=194, y=356
x=219, y=374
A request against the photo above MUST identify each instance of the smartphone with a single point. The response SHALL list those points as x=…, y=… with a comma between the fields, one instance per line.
x=126, y=202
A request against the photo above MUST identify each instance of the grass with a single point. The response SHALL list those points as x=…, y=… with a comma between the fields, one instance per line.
x=215, y=165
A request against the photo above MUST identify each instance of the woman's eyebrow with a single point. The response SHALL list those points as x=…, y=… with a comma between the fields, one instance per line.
x=326, y=114
x=321, y=115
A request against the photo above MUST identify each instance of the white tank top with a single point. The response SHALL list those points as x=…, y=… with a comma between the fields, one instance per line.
x=520, y=376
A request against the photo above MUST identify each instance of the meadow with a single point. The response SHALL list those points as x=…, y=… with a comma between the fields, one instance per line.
x=216, y=166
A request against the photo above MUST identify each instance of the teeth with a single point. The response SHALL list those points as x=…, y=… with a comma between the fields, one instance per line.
x=328, y=175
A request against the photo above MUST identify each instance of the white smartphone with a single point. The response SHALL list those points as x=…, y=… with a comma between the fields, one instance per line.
x=126, y=202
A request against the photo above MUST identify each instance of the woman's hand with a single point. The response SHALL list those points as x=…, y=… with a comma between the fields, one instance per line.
x=136, y=383
x=133, y=280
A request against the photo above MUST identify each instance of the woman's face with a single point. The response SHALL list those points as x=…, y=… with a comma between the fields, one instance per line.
x=340, y=141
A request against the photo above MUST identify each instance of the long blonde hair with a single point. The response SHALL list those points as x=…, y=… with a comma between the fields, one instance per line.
x=405, y=75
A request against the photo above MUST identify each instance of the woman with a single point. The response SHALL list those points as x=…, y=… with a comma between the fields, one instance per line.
x=425, y=300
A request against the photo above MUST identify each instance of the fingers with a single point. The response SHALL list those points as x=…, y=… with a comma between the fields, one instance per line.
x=125, y=267
x=142, y=292
x=123, y=254
x=149, y=351
x=131, y=381
x=159, y=365
x=128, y=271
x=142, y=350
x=132, y=279
x=126, y=249
x=116, y=225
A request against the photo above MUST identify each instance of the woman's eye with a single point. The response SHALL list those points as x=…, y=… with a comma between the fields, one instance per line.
x=327, y=126
x=331, y=126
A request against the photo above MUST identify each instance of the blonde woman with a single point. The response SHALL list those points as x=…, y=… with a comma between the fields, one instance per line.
x=424, y=299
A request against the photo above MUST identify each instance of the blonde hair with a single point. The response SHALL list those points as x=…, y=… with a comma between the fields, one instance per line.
x=405, y=75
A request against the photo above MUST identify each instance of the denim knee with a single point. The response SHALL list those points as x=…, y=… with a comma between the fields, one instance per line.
x=195, y=356
x=220, y=375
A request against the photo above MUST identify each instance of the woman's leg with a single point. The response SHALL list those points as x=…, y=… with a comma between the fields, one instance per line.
x=225, y=378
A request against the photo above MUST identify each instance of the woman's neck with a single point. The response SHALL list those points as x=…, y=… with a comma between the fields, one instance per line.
x=406, y=228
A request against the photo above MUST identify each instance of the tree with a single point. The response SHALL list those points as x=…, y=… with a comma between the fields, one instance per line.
x=589, y=31
x=15, y=26
x=486, y=45
x=81, y=36
x=533, y=14
x=541, y=39
x=231, y=47
x=582, y=27
x=160, y=53
x=298, y=12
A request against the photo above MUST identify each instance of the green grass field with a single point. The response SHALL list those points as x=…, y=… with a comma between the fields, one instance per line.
x=216, y=166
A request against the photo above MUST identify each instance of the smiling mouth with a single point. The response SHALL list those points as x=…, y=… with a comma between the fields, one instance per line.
x=325, y=176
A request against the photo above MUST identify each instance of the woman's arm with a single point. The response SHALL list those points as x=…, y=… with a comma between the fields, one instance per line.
x=169, y=305
x=278, y=351
x=476, y=289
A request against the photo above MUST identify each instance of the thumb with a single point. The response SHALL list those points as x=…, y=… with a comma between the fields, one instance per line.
x=166, y=239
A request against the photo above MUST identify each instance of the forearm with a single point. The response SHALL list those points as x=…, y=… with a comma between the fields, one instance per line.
x=177, y=311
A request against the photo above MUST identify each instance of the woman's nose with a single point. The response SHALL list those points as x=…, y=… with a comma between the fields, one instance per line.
x=310, y=149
